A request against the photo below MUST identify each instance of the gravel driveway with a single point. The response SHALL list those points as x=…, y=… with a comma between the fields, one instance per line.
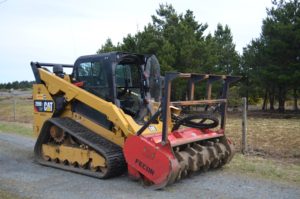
x=20, y=175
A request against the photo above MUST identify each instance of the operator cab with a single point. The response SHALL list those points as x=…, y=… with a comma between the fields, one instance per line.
x=130, y=81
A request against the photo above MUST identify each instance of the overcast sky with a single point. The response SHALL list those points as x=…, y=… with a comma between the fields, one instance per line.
x=59, y=31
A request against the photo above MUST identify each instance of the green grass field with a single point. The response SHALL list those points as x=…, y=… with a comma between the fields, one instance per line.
x=16, y=127
x=271, y=169
x=9, y=195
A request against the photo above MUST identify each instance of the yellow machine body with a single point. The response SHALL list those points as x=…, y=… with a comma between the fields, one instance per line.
x=71, y=136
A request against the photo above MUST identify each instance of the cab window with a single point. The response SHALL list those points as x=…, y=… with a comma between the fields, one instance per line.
x=128, y=83
x=94, y=76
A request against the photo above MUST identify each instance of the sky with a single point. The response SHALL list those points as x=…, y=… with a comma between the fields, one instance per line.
x=59, y=31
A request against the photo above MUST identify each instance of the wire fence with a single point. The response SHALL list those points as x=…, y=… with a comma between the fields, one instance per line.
x=16, y=106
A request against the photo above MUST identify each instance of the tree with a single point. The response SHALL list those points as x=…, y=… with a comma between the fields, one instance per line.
x=179, y=42
x=182, y=38
x=107, y=47
x=16, y=85
x=228, y=58
x=252, y=64
x=275, y=55
x=129, y=44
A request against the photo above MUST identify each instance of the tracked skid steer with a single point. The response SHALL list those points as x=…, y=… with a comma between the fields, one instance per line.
x=113, y=113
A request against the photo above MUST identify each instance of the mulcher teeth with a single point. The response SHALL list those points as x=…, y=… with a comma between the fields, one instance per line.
x=201, y=157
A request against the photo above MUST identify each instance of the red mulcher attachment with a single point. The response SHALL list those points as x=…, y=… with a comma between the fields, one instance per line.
x=161, y=159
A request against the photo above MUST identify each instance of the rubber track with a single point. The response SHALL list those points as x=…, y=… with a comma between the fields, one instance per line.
x=112, y=153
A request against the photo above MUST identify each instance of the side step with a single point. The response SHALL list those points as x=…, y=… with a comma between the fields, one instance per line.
x=113, y=154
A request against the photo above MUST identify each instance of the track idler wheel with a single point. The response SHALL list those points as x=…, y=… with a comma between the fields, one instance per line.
x=57, y=134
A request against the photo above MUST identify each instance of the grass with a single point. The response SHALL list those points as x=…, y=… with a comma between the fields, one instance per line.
x=275, y=137
x=24, y=109
x=265, y=168
x=8, y=195
x=15, y=127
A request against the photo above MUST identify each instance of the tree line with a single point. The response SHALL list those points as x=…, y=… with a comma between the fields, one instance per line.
x=269, y=64
x=17, y=85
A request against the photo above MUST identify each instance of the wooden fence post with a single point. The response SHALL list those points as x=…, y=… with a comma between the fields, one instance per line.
x=244, y=126
x=14, y=103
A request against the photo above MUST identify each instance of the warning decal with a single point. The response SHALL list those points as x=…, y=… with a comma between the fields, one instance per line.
x=43, y=106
